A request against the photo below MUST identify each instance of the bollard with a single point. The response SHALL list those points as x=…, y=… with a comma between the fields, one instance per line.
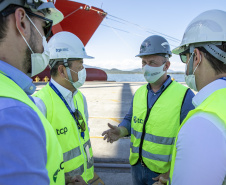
x=46, y=79
x=37, y=79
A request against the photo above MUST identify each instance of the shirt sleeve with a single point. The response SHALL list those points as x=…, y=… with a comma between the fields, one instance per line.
x=23, y=145
x=187, y=105
x=40, y=104
x=85, y=109
x=126, y=122
x=201, y=151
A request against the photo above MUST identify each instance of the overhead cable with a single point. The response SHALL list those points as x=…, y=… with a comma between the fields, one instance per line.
x=145, y=28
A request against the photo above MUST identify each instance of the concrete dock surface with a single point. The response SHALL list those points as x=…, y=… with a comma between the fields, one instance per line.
x=108, y=102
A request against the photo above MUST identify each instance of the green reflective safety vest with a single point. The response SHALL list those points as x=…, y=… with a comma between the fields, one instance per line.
x=77, y=161
x=10, y=89
x=215, y=104
x=156, y=127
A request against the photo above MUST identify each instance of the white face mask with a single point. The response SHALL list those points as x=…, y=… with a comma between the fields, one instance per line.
x=81, y=78
x=190, y=79
x=39, y=61
x=152, y=74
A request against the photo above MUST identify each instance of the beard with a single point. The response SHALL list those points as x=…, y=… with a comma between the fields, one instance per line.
x=27, y=61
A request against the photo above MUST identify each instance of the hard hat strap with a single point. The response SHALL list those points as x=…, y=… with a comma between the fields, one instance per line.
x=68, y=69
x=216, y=52
x=191, y=60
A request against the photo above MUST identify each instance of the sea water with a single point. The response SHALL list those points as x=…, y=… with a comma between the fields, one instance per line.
x=139, y=77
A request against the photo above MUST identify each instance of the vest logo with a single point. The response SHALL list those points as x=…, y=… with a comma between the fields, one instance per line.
x=62, y=131
x=57, y=171
x=137, y=120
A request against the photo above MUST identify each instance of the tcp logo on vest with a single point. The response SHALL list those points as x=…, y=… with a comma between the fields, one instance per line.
x=62, y=131
x=137, y=120
x=57, y=171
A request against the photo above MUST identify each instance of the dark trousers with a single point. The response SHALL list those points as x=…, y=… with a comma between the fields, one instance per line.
x=142, y=175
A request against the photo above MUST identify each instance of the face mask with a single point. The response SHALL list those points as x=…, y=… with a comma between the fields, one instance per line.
x=39, y=61
x=81, y=78
x=190, y=79
x=152, y=74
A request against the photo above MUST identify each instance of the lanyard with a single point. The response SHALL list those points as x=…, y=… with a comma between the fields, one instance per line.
x=223, y=78
x=66, y=104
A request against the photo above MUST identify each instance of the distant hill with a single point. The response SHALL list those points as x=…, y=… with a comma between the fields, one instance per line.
x=134, y=71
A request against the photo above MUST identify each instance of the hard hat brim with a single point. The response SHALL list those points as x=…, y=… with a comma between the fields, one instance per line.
x=55, y=15
x=178, y=50
x=145, y=54
x=88, y=57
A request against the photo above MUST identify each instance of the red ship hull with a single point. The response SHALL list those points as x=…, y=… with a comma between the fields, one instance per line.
x=83, y=21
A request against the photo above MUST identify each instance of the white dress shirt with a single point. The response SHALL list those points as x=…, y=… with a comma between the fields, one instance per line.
x=68, y=96
x=201, y=146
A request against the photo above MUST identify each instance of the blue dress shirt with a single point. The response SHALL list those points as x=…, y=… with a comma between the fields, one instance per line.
x=23, y=155
x=152, y=97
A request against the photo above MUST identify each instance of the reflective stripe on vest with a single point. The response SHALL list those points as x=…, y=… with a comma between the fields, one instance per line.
x=157, y=157
x=72, y=143
x=77, y=152
x=72, y=154
x=215, y=104
x=161, y=124
x=153, y=138
x=54, y=165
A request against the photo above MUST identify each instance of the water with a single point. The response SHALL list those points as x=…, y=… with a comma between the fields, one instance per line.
x=139, y=77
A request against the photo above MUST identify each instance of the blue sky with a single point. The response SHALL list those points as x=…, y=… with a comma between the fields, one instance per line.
x=113, y=48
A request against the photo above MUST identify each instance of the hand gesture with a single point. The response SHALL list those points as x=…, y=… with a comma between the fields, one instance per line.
x=112, y=134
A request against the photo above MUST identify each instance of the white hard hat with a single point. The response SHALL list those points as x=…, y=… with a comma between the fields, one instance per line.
x=66, y=45
x=207, y=29
x=44, y=6
x=53, y=14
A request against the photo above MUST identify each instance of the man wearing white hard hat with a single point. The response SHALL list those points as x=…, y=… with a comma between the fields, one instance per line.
x=30, y=152
x=65, y=106
x=199, y=155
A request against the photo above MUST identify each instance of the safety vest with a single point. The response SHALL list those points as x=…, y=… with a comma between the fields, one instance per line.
x=76, y=161
x=153, y=131
x=54, y=165
x=215, y=104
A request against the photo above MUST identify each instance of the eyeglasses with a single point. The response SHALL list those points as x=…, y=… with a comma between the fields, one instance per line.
x=81, y=123
x=183, y=56
x=47, y=28
x=49, y=23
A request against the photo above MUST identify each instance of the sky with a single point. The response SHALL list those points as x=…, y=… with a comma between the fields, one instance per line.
x=129, y=22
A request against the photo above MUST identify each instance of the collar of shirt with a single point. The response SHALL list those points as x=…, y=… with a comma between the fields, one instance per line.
x=166, y=83
x=206, y=91
x=67, y=94
x=20, y=78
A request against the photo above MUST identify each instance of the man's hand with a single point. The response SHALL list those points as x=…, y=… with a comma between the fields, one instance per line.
x=114, y=133
x=77, y=180
x=162, y=179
